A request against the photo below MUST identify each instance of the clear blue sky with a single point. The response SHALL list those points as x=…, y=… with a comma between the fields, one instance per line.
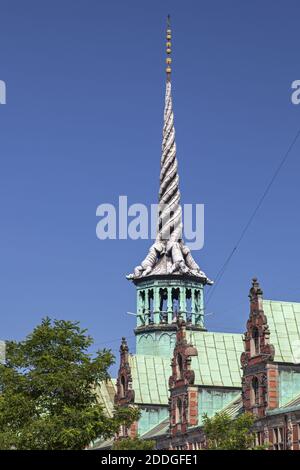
x=82, y=125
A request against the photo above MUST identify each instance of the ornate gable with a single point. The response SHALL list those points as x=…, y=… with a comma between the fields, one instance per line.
x=257, y=336
x=125, y=393
x=260, y=374
x=183, y=394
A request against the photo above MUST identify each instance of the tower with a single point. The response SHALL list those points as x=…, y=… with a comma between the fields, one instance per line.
x=168, y=281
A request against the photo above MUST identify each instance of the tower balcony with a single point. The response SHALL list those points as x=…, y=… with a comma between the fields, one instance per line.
x=161, y=300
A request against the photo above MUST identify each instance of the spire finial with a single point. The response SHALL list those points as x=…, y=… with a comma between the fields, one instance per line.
x=168, y=48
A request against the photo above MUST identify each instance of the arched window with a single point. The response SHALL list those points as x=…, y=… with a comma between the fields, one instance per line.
x=142, y=302
x=175, y=302
x=255, y=341
x=254, y=392
x=178, y=411
x=151, y=304
x=188, y=303
x=197, y=301
x=179, y=366
x=123, y=386
x=163, y=305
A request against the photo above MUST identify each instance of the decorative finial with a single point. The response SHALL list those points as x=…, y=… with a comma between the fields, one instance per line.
x=168, y=48
x=255, y=290
x=124, y=346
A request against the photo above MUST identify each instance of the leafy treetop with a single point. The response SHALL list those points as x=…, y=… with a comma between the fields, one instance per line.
x=48, y=396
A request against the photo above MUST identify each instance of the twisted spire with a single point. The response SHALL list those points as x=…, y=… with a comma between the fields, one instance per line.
x=169, y=254
x=170, y=214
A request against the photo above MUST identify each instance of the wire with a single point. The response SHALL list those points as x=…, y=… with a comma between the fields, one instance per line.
x=252, y=216
x=204, y=345
x=111, y=341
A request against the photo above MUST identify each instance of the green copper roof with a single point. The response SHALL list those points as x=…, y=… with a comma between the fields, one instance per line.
x=218, y=360
x=235, y=407
x=150, y=377
x=158, y=430
x=217, y=364
x=294, y=402
x=105, y=391
x=284, y=323
x=292, y=405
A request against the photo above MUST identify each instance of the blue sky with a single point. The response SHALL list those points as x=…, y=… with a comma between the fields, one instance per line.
x=82, y=125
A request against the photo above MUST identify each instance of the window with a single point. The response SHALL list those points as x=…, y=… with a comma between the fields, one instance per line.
x=123, y=431
x=123, y=386
x=255, y=349
x=150, y=300
x=255, y=392
x=142, y=301
x=278, y=439
x=197, y=301
x=175, y=302
x=179, y=411
x=179, y=366
x=197, y=446
x=188, y=303
x=163, y=305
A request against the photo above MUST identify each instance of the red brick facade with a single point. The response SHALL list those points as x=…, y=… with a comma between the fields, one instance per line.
x=260, y=374
x=125, y=393
x=276, y=428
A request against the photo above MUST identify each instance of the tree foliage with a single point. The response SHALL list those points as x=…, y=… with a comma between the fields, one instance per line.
x=133, y=444
x=47, y=390
x=224, y=433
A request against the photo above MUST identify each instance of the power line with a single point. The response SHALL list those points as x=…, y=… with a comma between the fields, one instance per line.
x=109, y=341
x=229, y=332
x=252, y=216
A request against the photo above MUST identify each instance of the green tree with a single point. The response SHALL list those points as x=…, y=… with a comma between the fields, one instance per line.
x=47, y=390
x=224, y=433
x=133, y=444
